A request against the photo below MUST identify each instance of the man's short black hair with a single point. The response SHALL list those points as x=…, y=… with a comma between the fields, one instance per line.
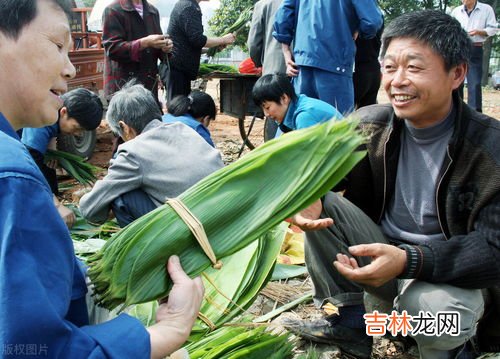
x=17, y=14
x=440, y=31
x=271, y=87
x=84, y=106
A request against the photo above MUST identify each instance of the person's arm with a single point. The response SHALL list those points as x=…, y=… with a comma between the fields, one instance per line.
x=370, y=18
x=468, y=261
x=124, y=175
x=490, y=26
x=292, y=69
x=121, y=50
x=256, y=35
x=220, y=41
x=284, y=22
x=37, y=288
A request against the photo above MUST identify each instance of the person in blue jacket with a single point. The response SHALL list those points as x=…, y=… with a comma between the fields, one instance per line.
x=323, y=32
x=43, y=309
x=196, y=110
x=82, y=110
x=275, y=94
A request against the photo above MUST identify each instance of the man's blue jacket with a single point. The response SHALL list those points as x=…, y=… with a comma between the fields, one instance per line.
x=322, y=30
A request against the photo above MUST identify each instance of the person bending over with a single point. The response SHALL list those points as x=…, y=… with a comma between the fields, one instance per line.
x=196, y=110
x=81, y=111
x=275, y=94
x=157, y=160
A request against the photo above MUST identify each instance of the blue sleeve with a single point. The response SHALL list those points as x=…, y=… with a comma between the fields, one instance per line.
x=205, y=133
x=37, y=284
x=304, y=120
x=39, y=138
x=285, y=22
x=370, y=17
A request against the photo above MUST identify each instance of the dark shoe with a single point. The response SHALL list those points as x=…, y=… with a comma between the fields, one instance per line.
x=352, y=341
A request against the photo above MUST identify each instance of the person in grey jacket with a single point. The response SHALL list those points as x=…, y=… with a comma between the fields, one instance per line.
x=417, y=224
x=157, y=161
x=264, y=50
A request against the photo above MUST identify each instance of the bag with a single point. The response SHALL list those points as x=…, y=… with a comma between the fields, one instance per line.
x=247, y=66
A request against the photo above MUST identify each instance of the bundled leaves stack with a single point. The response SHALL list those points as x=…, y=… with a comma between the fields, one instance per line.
x=206, y=69
x=76, y=166
x=235, y=287
x=239, y=342
x=236, y=204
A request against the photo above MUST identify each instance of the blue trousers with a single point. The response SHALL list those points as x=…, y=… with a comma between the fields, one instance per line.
x=474, y=75
x=337, y=90
x=132, y=205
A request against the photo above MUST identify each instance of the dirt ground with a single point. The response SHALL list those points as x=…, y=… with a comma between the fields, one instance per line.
x=226, y=136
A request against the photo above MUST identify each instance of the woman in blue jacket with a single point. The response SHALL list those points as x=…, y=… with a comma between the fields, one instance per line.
x=275, y=94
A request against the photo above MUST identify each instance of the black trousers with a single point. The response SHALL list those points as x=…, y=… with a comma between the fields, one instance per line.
x=48, y=173
x=178, y=84
x=366, y=85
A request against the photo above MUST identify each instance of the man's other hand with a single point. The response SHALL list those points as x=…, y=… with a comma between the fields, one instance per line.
x=308, y=219
x=388, y=262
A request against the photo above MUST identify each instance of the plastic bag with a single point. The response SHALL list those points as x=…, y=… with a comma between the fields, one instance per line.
x=247, y=66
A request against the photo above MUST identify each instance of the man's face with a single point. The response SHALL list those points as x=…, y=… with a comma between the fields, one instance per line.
x=415, y=79
x=70, y=126
x=35, y=69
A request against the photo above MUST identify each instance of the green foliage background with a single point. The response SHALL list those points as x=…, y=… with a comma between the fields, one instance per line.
x=226, y=15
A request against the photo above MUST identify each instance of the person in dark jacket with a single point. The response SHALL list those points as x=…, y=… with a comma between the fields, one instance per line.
x=134, y=43
x=417, y=225
x=186, y=28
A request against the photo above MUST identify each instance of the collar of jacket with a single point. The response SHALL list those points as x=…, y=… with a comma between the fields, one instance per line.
x=127, y=5
x=457, y=138
x=391, y=155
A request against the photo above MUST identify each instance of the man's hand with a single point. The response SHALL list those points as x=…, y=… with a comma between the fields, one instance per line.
x=292, y=69
x=176, y=317
x=388, y=262
x=478, y=32
x=169, y=45
x=156, y=41
x=228, y=39
x=308, y=219
x=67, y=215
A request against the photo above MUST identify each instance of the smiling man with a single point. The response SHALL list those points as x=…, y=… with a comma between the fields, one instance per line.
x=43, y=307
x=417, y=225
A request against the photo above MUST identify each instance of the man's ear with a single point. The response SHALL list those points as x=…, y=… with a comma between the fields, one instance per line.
x=128, y=133
x=63, y=113
x=459, y=72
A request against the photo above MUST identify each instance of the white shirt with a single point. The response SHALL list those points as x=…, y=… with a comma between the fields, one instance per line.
x=481, y=18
